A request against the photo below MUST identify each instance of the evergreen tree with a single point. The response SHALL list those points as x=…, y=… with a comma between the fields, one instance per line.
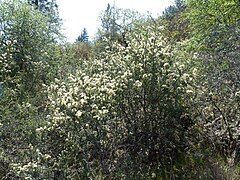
x=83, y=37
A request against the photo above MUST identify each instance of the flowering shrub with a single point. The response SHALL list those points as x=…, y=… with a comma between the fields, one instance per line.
x=120, y=109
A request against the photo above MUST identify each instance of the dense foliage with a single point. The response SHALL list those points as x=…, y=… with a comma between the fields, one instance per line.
x=218, y=105
x=149, y=98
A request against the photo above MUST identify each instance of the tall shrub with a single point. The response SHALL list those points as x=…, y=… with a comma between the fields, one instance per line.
x=123, y=113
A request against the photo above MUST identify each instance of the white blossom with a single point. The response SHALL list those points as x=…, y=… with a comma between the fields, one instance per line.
x=78, y=113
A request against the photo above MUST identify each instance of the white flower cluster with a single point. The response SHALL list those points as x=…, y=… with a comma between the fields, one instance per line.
x=80, y=96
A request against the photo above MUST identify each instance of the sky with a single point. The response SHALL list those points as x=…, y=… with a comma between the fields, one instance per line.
x=79, y=14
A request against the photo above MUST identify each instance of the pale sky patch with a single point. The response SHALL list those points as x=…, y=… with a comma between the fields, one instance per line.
x=77, y=14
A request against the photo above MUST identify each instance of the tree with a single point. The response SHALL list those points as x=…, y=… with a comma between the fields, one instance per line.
x=108, y=21
x=26, y=37
x=116, y=23
x=215, y=23
x=176, y=25
x=83, y=37
x=27, y=42
x=44, y=5
x=215, y=40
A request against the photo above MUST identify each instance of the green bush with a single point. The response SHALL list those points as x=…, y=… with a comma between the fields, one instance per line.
x=27, y=37
x=121, y=114
x=216, y=106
